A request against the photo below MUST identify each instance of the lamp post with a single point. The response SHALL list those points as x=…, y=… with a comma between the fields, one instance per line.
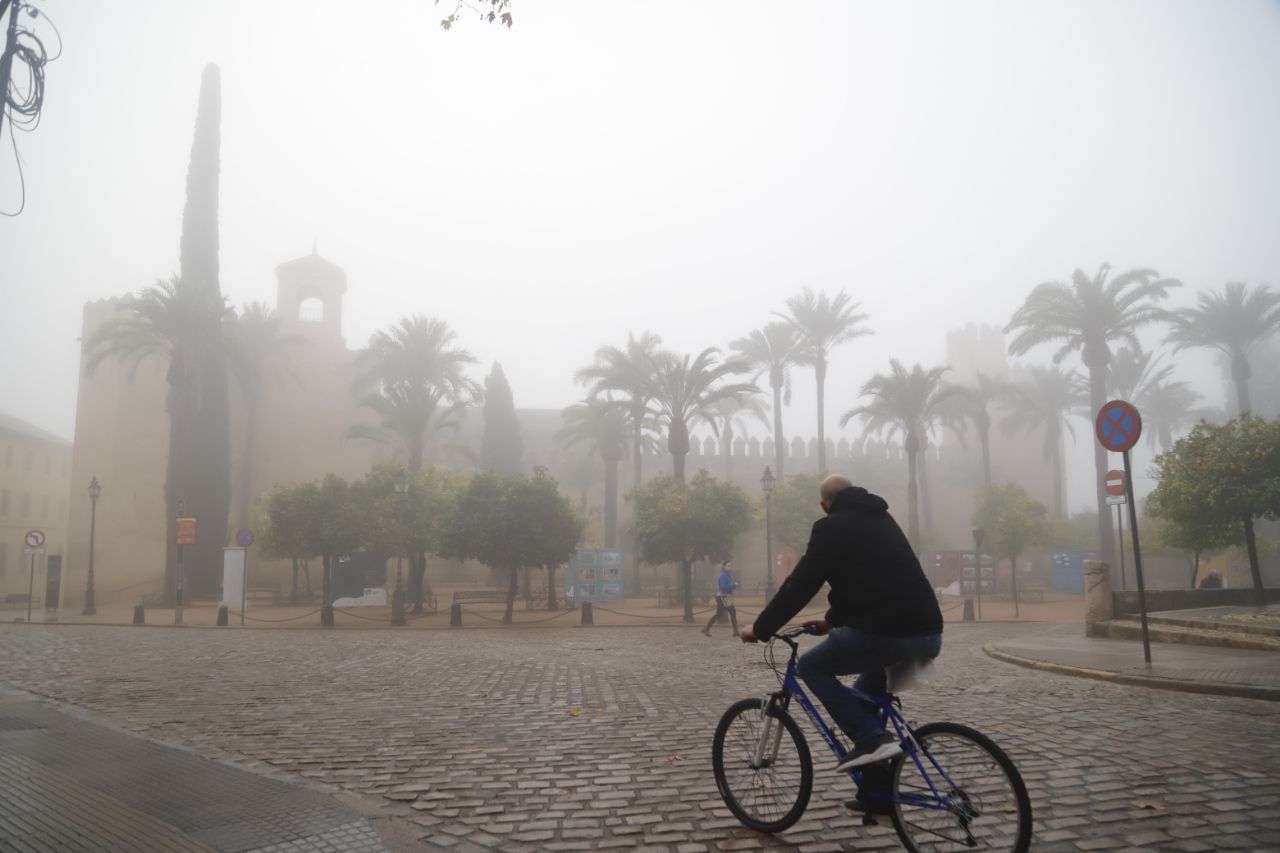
x=94, y=491
x=766, y=483
x=397, y=597
x=978, y=534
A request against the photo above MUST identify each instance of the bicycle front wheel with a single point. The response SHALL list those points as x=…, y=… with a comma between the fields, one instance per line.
x=977, y=798
x=771, y=795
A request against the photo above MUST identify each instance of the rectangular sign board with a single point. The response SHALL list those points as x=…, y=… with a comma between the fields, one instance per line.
x=1115, y=500
x=595, y=574
x=186, y=531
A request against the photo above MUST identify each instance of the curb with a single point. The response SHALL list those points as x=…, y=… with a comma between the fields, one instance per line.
x=1242, y=691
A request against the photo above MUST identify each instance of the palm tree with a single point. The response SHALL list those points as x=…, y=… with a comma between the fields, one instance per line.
x=823, y=323
x=1087, y=316
x=186, y=327
x=685, y=389
x=907, y=402
x=1046, y=401
x=600, y=425
x=1232, y=322
x=730, y=415
x=413, y=379
x=775, y=349
x=626, y=371
x=256, y=350
x=1167, y=406
x=973, y=403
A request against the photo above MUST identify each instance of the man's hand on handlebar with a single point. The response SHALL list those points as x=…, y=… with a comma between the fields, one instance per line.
x=749, y=636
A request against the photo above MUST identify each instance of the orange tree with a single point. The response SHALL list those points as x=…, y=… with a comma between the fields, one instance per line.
x=679, y=523
x=1218, y=477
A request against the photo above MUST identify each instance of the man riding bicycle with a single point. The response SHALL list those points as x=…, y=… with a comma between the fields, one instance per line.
x=883, y=611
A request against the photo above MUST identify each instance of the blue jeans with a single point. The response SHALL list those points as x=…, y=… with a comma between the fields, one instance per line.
x=846, y=651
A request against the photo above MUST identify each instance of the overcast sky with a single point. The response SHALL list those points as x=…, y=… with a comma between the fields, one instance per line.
x=681, y=167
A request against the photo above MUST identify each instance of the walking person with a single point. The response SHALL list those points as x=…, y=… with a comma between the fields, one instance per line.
x=725, y=585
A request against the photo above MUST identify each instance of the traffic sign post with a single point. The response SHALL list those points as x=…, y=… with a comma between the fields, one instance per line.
x=244, y=538
x=185, y=529
x=1118, y=427
x=35, y=545
x=1114, y=485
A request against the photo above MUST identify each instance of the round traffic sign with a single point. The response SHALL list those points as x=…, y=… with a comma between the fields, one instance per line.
x=1114, y=482
x=244, y=537
x=1118, y=426
x=35, y=538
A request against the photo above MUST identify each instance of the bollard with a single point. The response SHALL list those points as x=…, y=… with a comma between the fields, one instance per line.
x=455, y=615
x=139, y=615
x=1099, y=604
x=968, y=610
x=222, y=616
x=326, y=615
x=586, y=613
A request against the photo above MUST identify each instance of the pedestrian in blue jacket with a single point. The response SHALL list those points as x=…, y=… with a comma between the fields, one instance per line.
x=725, y=585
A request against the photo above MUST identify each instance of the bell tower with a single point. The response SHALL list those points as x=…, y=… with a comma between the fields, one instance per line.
x=309, y=295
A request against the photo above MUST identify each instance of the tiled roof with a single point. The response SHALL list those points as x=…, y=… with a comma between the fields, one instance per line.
x=12, y=425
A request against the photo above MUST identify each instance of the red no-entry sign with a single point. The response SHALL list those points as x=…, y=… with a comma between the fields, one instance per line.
x=1114, y=482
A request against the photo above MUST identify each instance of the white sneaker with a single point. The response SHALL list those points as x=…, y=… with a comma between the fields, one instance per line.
x=882, y=748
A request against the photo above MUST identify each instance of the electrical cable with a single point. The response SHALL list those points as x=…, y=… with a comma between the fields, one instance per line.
x=22, y=104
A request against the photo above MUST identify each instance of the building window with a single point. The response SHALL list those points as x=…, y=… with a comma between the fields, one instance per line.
x=26, y=504
x=311, y=310
x=4, y=502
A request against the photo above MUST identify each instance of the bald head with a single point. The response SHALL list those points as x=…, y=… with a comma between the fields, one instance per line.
x=833, y=485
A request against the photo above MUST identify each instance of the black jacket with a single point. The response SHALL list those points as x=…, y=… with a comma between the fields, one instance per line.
x=877, y=585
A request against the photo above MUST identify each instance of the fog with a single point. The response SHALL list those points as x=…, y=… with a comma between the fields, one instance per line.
x=677, y=167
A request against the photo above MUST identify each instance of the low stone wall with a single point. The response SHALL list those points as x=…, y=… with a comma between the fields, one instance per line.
x=1126, y=601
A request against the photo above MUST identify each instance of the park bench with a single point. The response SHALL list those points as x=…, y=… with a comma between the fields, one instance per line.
x=20, y=599
x=479, y=596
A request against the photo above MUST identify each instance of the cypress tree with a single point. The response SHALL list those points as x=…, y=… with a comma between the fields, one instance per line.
x=199, y=466
x=500, y=446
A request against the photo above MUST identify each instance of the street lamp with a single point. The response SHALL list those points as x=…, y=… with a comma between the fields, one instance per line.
x=401, y=482
x=767, y=482
x=94, y=491
x=978, y=534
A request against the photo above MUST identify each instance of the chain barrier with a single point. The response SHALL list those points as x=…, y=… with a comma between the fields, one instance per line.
x=643, y=616
x=358, y=616
x=231, y=612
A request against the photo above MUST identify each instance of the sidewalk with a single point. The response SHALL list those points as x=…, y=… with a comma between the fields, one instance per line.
x=71, y=784
x=1064, y=649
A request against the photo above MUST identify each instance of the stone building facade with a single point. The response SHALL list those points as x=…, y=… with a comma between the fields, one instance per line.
x=35, y=481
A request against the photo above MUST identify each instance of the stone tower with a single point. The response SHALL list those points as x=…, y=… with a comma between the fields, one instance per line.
x=309, y=299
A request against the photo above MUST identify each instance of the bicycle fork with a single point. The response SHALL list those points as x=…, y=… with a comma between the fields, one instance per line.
x=770, y=740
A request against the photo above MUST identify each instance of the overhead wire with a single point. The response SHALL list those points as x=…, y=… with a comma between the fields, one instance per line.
x=23, y=99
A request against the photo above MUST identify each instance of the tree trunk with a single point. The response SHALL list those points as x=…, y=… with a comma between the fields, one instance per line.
x=326, y=593
x=511, y=597
x=1195, y=567
x=1055, y=439
x=926, y=496
x=1240, y=373
x=686, y=574
x=913, y=497
x=306, y=576
x=1255, y=569
x=778, y=452
x=820, y=373
x=1013, y=582
x=726, y=448
x=678, y=445
x=527, y=591
x=293, y=588
x=1097, y=399
x=984, y=436
x=611, y=503
x=551, y=587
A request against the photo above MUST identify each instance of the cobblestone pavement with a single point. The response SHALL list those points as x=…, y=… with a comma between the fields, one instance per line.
x=582, y=739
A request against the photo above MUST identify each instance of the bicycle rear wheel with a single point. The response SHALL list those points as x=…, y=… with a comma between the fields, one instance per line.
x=769, y=798
x=984, y=805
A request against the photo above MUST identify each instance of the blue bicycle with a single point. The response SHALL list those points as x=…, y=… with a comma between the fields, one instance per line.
x=952, y=788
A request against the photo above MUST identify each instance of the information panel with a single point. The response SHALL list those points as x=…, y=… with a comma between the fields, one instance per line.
x=595, y=574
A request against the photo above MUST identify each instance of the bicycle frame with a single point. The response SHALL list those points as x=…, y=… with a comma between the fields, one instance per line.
x=765, y=752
